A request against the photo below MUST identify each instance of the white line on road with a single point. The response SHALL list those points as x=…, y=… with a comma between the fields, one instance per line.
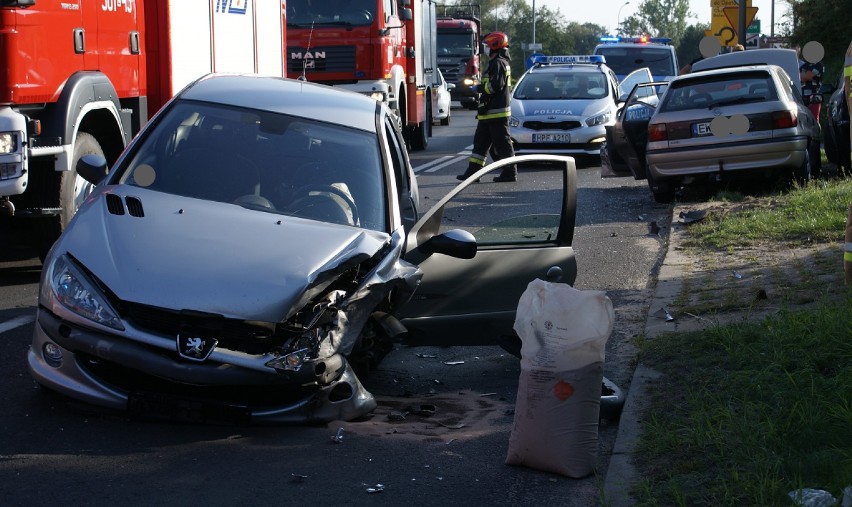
x=23, y=320
x=442, y=162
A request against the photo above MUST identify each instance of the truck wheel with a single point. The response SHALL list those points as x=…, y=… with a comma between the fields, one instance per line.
x=66, y=191
x=421, y=132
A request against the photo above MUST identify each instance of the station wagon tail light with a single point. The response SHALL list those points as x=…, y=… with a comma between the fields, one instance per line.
x=657, y=132
x=784, y=119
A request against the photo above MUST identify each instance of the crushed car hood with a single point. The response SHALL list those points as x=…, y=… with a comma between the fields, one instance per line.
x=207, y=256
x=544, y=109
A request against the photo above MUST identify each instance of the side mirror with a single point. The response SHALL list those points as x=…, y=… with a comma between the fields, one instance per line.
x=92, y=168
x=405, y=14
x=451, y=86
x=455, y=243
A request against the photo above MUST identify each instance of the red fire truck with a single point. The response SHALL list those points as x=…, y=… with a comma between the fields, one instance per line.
x=83, y=76
x=459, y=50
x=381, y=48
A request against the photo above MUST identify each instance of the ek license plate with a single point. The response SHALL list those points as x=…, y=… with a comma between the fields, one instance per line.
x=701, y=129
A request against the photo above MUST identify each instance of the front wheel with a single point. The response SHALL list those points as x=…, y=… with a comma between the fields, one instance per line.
x=66, y=190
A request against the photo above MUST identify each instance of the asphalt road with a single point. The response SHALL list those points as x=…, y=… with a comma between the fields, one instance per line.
x=449, y=449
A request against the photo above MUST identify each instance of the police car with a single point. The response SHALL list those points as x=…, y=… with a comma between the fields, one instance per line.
x=562, y=104
x=626, y=54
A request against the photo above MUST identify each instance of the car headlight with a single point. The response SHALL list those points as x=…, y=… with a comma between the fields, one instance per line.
x=75, y=291
x=600, y=119
x=514, y=122
x=8, y=142
x=469, y=81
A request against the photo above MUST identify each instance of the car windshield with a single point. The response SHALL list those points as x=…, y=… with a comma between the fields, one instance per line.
x=624, y=60
x=346, y=12
x=265, y=161
x=707, y=92
x=561, y=86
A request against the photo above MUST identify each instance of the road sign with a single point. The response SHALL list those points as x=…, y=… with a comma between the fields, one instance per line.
x=531, y=59
x=720, y=26
x=754, y=27
x=733, y=16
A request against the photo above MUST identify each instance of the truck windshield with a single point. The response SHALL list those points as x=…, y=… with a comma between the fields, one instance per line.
x=318, y=12
x=455, y=44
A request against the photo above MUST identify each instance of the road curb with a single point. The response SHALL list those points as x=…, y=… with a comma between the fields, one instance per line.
x=621, y=474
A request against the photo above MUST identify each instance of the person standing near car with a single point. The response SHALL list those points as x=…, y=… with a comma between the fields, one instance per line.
x=811, y=72
x=492, y=128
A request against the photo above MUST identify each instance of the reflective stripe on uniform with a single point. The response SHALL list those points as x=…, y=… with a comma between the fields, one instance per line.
x=476, y=159
x=492, y=116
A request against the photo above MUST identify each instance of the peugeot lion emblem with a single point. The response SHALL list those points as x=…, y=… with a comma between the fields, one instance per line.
x=195, y=348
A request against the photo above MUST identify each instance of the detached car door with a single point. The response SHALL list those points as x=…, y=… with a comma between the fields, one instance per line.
x=627, y=141
x=521, y=232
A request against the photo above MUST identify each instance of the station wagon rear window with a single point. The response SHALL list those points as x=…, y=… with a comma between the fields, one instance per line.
x=708, y=92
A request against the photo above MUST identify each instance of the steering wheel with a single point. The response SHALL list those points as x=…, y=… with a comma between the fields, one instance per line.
x=254, y=201
x=367, y=15
x=312, y=201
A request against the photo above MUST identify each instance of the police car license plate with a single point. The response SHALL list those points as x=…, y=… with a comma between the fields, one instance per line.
x=551, y=138
x=701, y=129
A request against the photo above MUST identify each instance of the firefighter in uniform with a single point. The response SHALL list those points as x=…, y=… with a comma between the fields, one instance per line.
x=492, y=128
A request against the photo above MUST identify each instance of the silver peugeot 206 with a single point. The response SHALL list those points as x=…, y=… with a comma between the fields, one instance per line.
x=255, y=250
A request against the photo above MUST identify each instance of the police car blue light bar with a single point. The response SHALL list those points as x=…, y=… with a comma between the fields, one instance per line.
x=563, y=59
x=638, y=40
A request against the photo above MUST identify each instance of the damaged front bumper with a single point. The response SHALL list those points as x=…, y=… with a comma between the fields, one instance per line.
x=147, y=377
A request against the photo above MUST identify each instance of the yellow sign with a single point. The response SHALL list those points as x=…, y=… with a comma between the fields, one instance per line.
x=721, y=27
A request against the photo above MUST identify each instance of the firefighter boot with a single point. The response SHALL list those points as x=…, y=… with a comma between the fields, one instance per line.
x=508, y=175
x=470, y=170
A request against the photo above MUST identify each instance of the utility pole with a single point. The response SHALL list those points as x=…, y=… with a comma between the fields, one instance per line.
x=741, y=25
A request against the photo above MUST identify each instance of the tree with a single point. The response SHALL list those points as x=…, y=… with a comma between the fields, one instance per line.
x=688, y=49
x=827, y=23
x=659, y=18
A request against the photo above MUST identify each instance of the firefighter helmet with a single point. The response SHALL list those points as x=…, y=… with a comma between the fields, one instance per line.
x=496, y=41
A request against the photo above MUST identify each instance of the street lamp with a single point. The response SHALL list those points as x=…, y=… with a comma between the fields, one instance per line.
x=533, y=30
x=617, y=29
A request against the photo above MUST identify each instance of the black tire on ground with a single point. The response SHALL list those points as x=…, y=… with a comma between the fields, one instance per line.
x=446, y=121
x=61, y=191
x=663, y=191
x=419, y=136
x=803, y=173
x=471, y=105
x=815, y=156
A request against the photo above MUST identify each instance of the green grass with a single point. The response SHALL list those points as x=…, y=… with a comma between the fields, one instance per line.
x=815, y=213
x=744, y=414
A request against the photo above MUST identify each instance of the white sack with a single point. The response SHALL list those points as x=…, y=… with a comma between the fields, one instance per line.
x=563, y=333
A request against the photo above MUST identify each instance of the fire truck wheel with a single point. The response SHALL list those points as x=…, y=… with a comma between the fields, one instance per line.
x=420, y=132
x=68, y=192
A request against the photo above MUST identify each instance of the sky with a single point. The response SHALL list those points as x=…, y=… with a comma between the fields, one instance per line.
x=606, y=12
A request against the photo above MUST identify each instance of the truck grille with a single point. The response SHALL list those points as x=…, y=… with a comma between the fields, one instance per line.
x=321, y=59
